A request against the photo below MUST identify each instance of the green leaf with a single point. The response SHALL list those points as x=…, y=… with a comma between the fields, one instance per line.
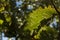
x=1, y=21
x=1, y=9
x=37, y=16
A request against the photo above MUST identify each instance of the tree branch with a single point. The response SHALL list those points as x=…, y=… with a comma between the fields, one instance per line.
x=55, y=7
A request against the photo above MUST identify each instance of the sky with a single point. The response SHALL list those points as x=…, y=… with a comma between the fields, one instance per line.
x=6, y=38
x=18, y=3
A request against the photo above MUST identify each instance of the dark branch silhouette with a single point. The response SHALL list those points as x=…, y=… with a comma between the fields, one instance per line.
x=55, y=7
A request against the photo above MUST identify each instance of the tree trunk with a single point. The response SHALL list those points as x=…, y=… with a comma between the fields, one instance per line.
x=16, y=38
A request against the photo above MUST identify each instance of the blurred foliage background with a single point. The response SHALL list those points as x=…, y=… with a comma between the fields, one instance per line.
x=30, y=19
